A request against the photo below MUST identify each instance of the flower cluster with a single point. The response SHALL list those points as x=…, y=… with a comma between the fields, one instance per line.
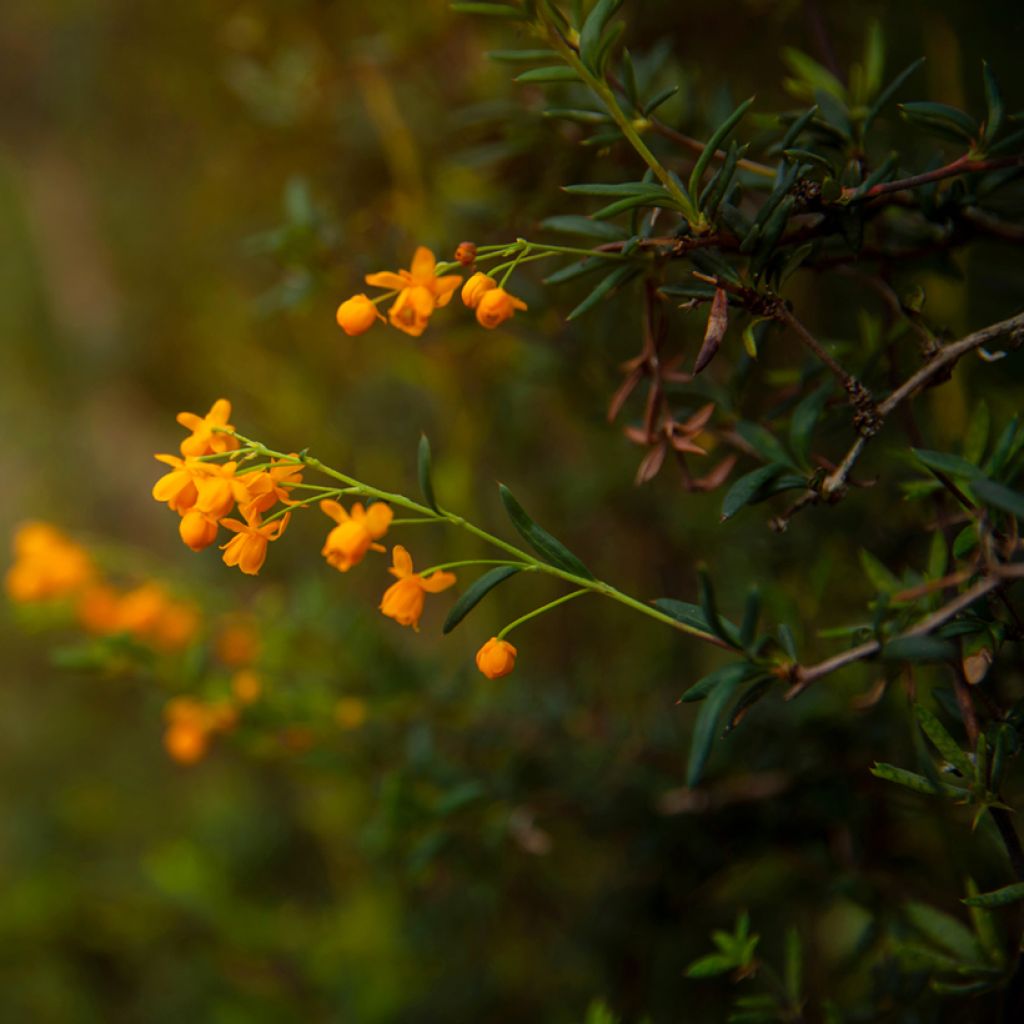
x=204, y=491
x=212, y=476
x=50, y=566
x=424, y=287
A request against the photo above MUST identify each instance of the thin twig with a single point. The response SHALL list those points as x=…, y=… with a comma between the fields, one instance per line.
x=803, y=676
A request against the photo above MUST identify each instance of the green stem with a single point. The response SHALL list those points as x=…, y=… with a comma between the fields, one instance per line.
x=541, y=610
x=472, y=561
x=605, y=94
x=353, y=486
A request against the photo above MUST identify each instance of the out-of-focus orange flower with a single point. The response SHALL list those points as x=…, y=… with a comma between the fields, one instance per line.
x=348, y=542
x=97, y=609
x=476, y=288
x=176, y=627
x=403, y=601
x=350, y=712
x=179, y=487
x=496, y=658
x=268, y=486
x=204, y=439
x=238, y=643
x=190, y=724
x=246, y=686
x=420, y=291
x=357, y=315
x=47, y=565
x=198, y=531
x=496, y=306
x=140, y=609
x=248, y=548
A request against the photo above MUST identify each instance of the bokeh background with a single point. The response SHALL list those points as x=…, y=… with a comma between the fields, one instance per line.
x=187, y=191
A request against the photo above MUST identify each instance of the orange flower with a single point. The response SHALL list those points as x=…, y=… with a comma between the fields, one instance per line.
x=496, y=306
x=411, y=311
x=47, y=564
x=357, y=315
x=476, y=287
x=198, y=531
x=179, y=488
x=403, y=601
x=267, y=487
x=420, y=291
x=496, y=658
x=218, y=490
x=248, y=549
x=204, y=439
x=348, y=542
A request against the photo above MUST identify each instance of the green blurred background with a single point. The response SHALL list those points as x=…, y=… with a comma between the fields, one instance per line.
x=187, y=191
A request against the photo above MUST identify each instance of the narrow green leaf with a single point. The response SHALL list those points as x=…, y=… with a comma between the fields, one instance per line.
x=577, y=269
x=995, y=109
x=813, y=74
x=659, y=98
x=550, y=549
x=890, y=91
x=619, y=276
x=944, y=931
x=593, y=30
x=946, y=462
x=748, y=487
x=423, y=468
x=786, y=640
x=918, y=649
x=706, y=728
x=918, y=783
x=620, y=188
x=588, y=117
x=663, y=201
x=711, y=965
x=941, y=116
x=794, y=130
x=556, y=73
x=735, y=673
x=805, y=419
x=522, y=56
x=475, y=593
x=765, y=443
x=999, y=496
x=966, y=541
x=1006, y=445
x=985, y=929
x=691, y=615
x=571, y=224
x=943, y=742
x=720, y=134
x=490, y=10
x=881, y=578
x=718, y=186
x=747, y=700
x=707, y=604
x=997, y=897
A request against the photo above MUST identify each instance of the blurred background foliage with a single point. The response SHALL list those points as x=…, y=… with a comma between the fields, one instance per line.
x=186, y=192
